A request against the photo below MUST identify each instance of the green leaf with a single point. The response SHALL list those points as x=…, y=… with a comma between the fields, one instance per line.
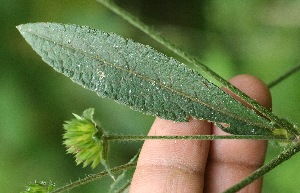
x=138, y=76
x=122, y=183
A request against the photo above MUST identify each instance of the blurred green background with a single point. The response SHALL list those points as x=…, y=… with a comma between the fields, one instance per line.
x=258, y=37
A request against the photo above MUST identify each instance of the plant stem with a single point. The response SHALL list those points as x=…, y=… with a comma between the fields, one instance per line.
x=284, y=76
x=192, y=137
x=162, y=40
x=285, y=155
x=93, y=177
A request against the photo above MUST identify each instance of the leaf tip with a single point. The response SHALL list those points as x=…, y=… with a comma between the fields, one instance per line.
x=19, y=27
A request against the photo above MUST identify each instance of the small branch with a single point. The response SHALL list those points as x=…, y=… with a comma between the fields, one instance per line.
x=93, y=177
x=284, y=76
x=192, y=137
x=285, y=155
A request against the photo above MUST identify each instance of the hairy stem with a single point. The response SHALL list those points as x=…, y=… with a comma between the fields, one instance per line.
x=192, y=137
x=285, y=155
x=93, y=177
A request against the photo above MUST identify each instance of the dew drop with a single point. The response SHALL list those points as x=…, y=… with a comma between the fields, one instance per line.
x=101, y=74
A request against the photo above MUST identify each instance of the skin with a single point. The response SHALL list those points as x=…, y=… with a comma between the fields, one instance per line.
x=200, y=166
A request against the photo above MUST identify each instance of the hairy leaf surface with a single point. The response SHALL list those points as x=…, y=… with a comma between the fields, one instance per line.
x=138, y=76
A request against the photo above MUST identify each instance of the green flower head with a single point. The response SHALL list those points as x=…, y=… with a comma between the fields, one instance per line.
x=85, y=139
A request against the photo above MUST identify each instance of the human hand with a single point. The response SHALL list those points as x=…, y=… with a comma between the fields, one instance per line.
x=200, y=165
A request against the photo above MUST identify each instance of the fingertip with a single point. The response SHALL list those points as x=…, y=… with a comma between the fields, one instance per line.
x=172, y=165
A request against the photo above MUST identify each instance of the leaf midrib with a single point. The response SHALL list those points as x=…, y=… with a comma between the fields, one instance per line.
x=145, y=78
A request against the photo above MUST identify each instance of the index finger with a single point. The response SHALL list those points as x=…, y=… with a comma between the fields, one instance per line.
x=172, y=165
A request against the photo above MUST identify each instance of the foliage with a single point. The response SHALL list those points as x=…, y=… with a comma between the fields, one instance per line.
x=139, y=76
x=231, y=37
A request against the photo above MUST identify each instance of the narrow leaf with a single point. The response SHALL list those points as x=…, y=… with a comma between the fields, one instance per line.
x=122, y=183
x=138, y=76
x=155, y=35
